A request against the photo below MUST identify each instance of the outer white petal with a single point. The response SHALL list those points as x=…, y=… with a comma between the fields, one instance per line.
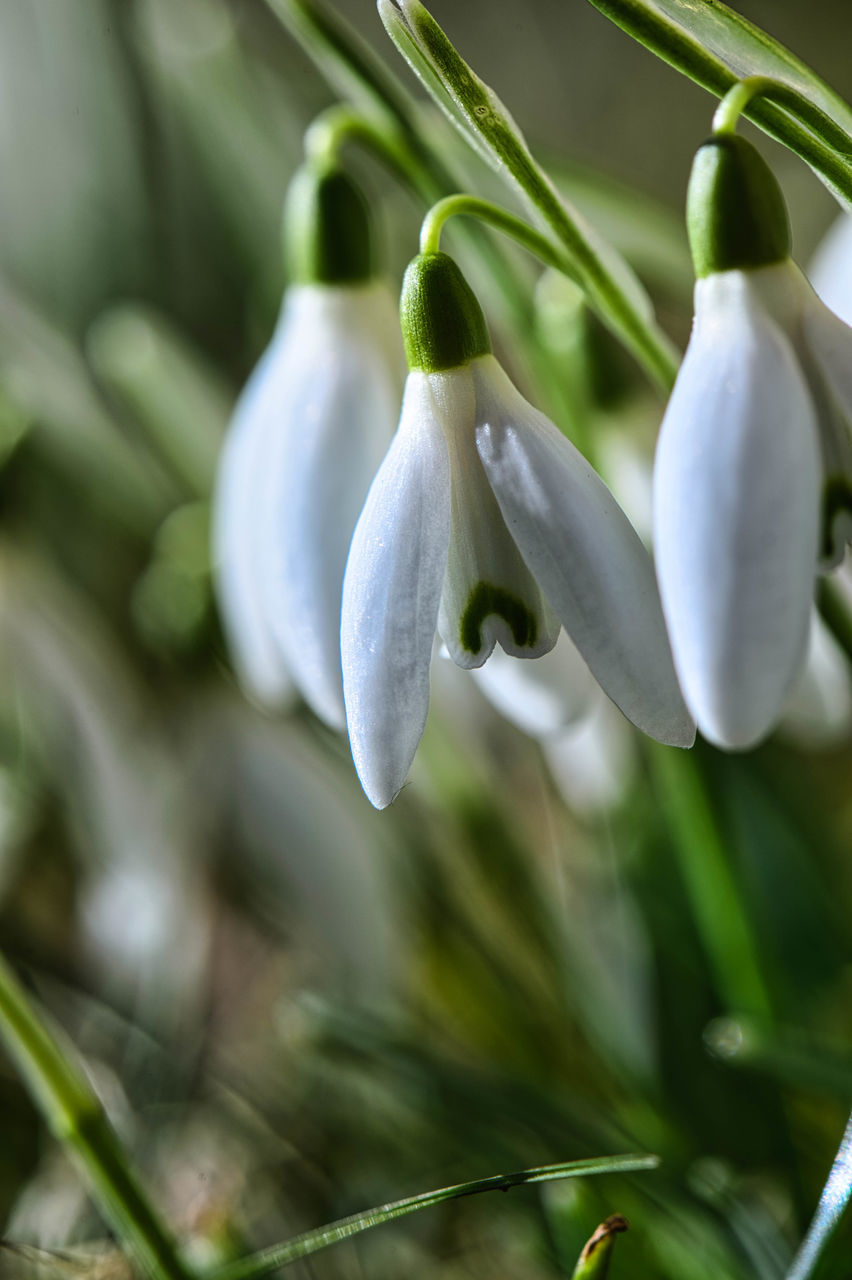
x=594, y=760
x=585, y=554
x=391, y=593
x=831, y=269
x=485, y=570
x=828, y=344
x=737, y=514
x=237, y=537
x=543, y=697
x=336, y=417
x=818, y=710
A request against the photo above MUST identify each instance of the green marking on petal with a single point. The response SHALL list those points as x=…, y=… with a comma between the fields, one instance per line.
x=836, y=498
x=485, y=600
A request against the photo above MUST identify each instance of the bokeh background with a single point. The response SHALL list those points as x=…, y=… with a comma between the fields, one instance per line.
x=295, y=1007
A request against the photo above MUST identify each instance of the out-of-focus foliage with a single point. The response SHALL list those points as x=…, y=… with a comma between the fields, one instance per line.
x=293, y=1006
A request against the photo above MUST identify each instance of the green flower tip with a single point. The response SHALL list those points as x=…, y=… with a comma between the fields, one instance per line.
x=442, y=323
x=735, y=213
x=326, y=228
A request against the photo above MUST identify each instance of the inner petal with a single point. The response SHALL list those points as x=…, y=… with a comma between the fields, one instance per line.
x=489, y=596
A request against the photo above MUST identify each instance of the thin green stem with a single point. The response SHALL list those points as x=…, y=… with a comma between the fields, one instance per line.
x=337, y=125
x=352, y=67
x=744, y=92
x=77, y=1119
x=281, y=1255
x=488, y=212
x=721, y=920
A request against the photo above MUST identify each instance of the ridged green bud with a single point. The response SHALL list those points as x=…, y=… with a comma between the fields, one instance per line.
x=326, y=228
x=735, y=213
x=442, y=323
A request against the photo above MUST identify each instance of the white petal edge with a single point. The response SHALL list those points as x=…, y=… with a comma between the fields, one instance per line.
x=585, y=554
x=236, y=542
x=736, y=514
x=830, y=271
x=336, y=418
x=818, y=710
x=391, y=593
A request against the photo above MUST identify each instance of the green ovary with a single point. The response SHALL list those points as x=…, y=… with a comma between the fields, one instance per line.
x=485, y=600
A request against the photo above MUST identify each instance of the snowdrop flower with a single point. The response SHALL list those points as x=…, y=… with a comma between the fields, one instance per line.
x=754, y=460
x=831, y=268
x=307, y=436
x=486, y=523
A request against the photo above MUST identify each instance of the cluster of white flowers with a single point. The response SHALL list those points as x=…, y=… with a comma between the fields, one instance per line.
x=484, y=525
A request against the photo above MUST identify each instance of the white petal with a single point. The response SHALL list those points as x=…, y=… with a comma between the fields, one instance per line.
x=831, y=269
x=818, y=710
x=829, y=345
x=237, y=542
x=737, y=514
x=585, y=554
x=594, y=760
x=489, y=593
x=391, y=593
x=336, y=417
x=543, y=697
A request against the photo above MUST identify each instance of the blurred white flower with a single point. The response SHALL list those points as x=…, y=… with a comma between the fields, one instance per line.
x=831, y=268
x=818, y=710
x=307, y=435
x=486, y=522
x=753, y=474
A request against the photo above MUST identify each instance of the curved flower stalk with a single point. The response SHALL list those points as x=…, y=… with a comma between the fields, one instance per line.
x=486, y=523
x=830, y=271
x=307, y=436
x=753, y=479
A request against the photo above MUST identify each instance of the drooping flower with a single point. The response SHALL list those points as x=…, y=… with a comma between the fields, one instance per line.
x=830, y=271
x=754, y=460
x=486, y=523
x=308, y=434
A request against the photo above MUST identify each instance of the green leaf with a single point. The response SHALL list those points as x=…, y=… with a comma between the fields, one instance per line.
x=716, y=47
x=280, y=1255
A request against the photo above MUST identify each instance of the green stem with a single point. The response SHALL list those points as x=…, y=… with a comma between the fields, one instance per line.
x=280, y=1255
x=424, y=44
x=337, y=125
x=744, y=92
x=77, y=1119
x=712, y=890
x=486, y=211
x=349, y=64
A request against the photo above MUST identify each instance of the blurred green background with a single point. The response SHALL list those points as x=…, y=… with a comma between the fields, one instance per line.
x=295, y=1007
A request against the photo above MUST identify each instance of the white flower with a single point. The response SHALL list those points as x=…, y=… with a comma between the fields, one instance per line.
x=541, y=698
x=486, y=522
x=308, y=433
x=831, y=268
x=752, y=479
